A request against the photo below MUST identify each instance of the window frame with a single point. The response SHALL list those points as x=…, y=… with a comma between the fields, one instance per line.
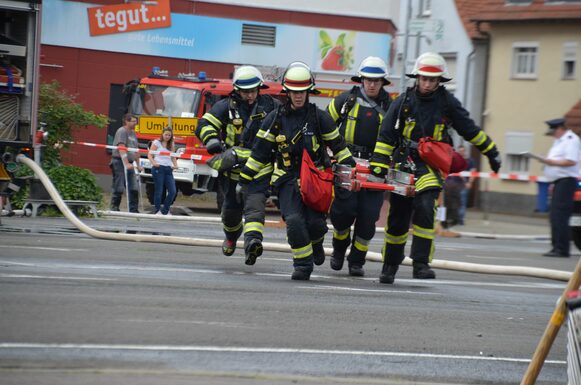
x=570, y=53
x=517, y=142
x=515, y=61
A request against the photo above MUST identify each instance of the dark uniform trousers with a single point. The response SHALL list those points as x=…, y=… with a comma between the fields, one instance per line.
x=304, y=227
x=561, y=209
x=421, y=210
x=118, y=185
x=252, y=206
x=363, y=209
x=255, y=207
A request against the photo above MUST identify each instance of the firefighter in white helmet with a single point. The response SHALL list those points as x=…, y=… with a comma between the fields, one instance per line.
x=358, y=114
x=426, y=109
x=230, y=128
x=296, y=126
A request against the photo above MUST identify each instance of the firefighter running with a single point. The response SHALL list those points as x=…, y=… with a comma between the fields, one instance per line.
x=286, y=132
x=358, y=114
x=229, y=128
x=425, y=110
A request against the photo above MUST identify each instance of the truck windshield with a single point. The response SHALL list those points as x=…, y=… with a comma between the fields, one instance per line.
x=164, y=101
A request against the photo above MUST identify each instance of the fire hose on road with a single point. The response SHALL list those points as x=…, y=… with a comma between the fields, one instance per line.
x=371, y=256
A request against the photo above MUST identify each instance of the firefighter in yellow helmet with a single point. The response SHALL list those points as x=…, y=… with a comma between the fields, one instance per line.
x=426, y=109
x=358, y=114
x=230, y=128
x=285, y=133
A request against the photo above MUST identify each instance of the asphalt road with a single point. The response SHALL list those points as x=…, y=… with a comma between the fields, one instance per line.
x=75, y=309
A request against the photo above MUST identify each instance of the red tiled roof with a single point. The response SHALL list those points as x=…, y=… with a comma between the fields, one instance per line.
x=468, y=9
x=498, y=11
x=573, y=118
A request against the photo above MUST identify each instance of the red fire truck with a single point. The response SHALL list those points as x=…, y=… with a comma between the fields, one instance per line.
x=159, y=100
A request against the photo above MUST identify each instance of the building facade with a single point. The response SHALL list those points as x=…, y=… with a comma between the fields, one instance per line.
x=106, y=43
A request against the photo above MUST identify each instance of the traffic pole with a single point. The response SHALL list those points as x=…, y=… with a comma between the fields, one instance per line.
x=551, y=331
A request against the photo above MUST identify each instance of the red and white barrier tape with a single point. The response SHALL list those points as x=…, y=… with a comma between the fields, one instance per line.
x=503, y=176
x=197, y=158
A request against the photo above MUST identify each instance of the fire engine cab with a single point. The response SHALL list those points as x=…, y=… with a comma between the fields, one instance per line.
x=159, y=100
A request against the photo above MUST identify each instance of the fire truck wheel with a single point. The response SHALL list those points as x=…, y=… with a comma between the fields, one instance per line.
x=576, y=236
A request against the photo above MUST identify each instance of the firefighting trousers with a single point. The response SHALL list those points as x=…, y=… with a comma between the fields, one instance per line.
x=362, y=209
x=304, y=227
x=421, y=210
x=254, y=209
x=232, y=209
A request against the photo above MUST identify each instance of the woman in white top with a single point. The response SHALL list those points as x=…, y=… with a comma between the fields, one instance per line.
x=162, y=171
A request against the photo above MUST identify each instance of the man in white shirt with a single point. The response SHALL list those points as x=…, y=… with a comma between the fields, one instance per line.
x=562, y=170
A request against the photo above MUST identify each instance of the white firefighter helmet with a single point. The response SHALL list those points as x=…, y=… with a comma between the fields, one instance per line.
x=247, y=78
x=372, y=67
x=298, y=77
x=431, y=64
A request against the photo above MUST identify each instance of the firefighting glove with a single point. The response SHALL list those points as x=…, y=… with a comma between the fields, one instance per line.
x=214, y=146
x=241, y=192
x=494, y=159
x=350, y=161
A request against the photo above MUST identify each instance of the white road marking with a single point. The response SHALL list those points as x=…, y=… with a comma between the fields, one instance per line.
x=55, y=277
x=110, y=267
x=212, y=323
x=235, y=349
x=338, y=288
x=41, y=248
x=415, y=282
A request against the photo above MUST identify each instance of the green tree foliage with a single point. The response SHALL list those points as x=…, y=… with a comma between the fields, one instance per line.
x=62, y=115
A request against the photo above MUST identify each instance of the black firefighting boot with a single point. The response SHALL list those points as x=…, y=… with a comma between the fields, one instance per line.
x=388, y=273
x=356, y=261
x=303, y=268
x=318, y=253
x=423, y=271
x=339, y=249
x=229, y=244
x=252, y=250
x=115, y=201
x=301, y=273
x=133, y=201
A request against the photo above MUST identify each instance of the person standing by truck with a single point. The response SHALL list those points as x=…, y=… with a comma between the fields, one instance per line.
x=230, y=128
x=122, y=165
x=162, y=167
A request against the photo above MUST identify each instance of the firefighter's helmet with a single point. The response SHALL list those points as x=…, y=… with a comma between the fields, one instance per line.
x=247, y=78
x=298, y=77
x=431, y=64
x=372, y=67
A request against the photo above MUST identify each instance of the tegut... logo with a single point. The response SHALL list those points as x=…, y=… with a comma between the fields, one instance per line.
x=128, y=17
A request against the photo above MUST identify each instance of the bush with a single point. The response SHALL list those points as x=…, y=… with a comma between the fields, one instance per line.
x=75, y=183
x=72, y=183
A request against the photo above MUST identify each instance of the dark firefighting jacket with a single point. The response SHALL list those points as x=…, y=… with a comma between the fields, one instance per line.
x=283, y=136
x=359, y=119
x=235, y=122
x=411, y=117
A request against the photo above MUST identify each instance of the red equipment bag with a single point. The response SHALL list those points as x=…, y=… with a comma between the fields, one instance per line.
x=317, y=187
x=436, y=154
x=459, y=163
